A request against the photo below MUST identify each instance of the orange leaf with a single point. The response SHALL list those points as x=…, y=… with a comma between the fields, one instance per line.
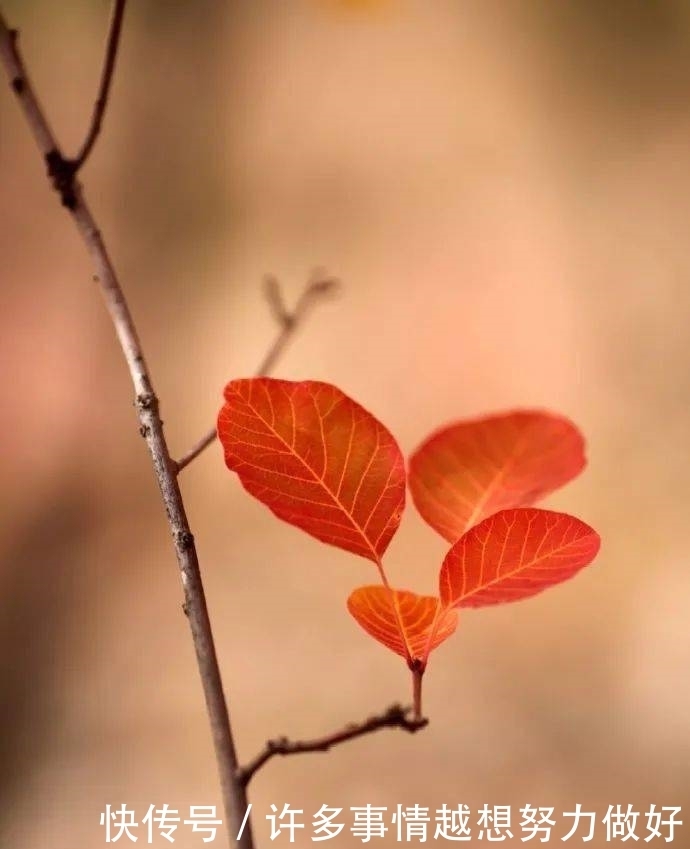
x=411, y=625
x=317, y=459
x=515, y=554
x=464, y=473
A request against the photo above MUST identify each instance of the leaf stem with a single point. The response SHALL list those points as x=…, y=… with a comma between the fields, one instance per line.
x=434, y=628
x=417, y=675
x=391, y=594
x=384, y=578
x=414, y=663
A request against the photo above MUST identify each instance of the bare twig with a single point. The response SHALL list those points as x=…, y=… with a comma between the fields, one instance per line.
x=288, y=322
x=395, y=717
x=101, y=103
x=151, y=427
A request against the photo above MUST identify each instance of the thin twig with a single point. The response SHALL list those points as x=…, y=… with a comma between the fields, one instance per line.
x=395, y=717
x=112, y=44
x=151, y=427
x=288, y=322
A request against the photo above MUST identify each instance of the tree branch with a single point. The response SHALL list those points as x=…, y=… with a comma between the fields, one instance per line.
x=395, y=717
x=151, y=428
x=112, y=44
x=288, y=322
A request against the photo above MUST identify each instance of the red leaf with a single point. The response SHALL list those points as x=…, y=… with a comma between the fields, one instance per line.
x=515, y=554
x=317, y=459
x=403, y=621
x=464, y=473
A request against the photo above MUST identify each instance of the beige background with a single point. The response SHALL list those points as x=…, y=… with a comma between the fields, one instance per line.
x=504, y=190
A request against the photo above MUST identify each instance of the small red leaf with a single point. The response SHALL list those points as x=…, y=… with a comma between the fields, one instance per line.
x=317, y=459
x=464, y=473
x=403, y=621
x=515, y=554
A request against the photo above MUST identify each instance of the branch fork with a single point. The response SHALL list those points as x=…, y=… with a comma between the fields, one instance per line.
x=319, y=286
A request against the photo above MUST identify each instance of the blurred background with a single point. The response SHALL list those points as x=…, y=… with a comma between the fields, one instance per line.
x=503, y=187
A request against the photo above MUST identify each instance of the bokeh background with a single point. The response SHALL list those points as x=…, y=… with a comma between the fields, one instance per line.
x=503, y=188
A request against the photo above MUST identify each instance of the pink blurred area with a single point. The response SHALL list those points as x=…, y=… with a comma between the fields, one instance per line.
x=504, y=190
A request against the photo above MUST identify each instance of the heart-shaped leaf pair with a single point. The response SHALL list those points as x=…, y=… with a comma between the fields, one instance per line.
x=321, y=462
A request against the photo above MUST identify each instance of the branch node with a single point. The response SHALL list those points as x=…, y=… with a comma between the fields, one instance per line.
x=62, y=173
x=278, y=745
x=147, y=401
x=184, y=540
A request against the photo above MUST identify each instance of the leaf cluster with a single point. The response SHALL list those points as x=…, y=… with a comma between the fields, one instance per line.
x=323, y=463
